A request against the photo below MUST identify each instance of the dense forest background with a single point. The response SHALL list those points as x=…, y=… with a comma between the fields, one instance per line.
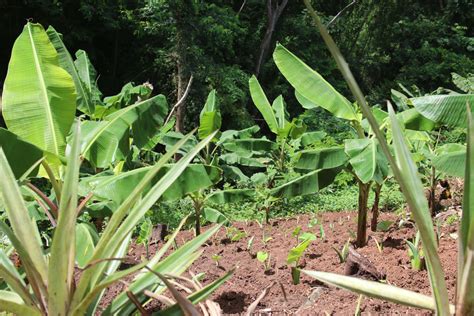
x=221, y=43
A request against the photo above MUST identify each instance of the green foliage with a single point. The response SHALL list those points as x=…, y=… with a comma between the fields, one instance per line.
x=415, y=252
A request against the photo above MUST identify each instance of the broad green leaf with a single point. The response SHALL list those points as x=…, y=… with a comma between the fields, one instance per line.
x=84, y=100
x=234, y=173
x=171, y=138
x=39, y=98
x=307, y=184
x=249, y=145
x=231, y=196
x=325, y=158
x=20, y=221
x=261, y=102
x=399, y=99
x=376, y=290
x=451, y=163
x=214, y=216
x=310, y=138
x=210, y=118
x=241, y=134
x=293, y=129
x=150, y=198
x=196, y=297
x=88, y=76
x=379, y=115
x=296, y=252
x=11, y=302
x=366, y=159
x=111, y=241
x=85, y=244
x=117, y=188
x=445, y=109
x=128, y=95
x=414, y=193
x=281, y=114
x=465, y=84
x=21, y=155
x=412, y=119
x=63, y=250
x=311, y=85
x=236, y=159
x=102, y=139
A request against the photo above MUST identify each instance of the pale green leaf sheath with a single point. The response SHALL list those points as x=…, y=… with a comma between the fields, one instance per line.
x=39, y=98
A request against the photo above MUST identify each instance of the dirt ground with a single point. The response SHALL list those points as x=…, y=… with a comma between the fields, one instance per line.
x=310, y=297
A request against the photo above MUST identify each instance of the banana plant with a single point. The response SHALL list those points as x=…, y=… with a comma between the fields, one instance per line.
x=361, y=155
x=405, y=172
x=280, y=180
x=53, y=85
x=49, y=285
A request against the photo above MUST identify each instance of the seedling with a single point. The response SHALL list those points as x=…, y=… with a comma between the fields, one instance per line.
x=313, y=222
x=415, y=252
x=216, y=259
x=144, y=236
x=296, y=232
x=331, y=226
x=379, y=245
x=307, y=236
x=265, y=238
x=294, y=257
x=264, y=258
x=234, y=234
x=322, y=234
x=250, y=244
x=344, y=252
x=357, y=311
x=384, y=226
x=439, y=232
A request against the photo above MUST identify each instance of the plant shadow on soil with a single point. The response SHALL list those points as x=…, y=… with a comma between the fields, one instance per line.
x=310, y=297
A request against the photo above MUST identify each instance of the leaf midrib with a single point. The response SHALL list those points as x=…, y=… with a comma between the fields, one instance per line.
x=43, y=86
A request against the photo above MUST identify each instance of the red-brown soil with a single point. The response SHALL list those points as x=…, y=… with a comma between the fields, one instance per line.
x=311, y=297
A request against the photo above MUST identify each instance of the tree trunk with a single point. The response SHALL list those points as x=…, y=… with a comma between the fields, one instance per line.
x=274, y=11
x=362, y=214
x=375, y=207
x=197, y=212
x=182, y=15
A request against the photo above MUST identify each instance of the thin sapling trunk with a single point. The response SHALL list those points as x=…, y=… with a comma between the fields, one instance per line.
x=375, y=208
x=361, y=239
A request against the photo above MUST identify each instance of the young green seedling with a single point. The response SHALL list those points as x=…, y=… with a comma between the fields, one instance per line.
x=313, y=222
x=322, y=234
x=264, y=258
x=250, y=244
x=379, y=245
x=235, y=234
x=415, y=252
x=296, y=232
x=295, y=255
x=344, y=252
x=144, y=236
x=216, y=259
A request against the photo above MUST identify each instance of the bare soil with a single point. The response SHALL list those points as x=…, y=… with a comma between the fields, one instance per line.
x=310, y=297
